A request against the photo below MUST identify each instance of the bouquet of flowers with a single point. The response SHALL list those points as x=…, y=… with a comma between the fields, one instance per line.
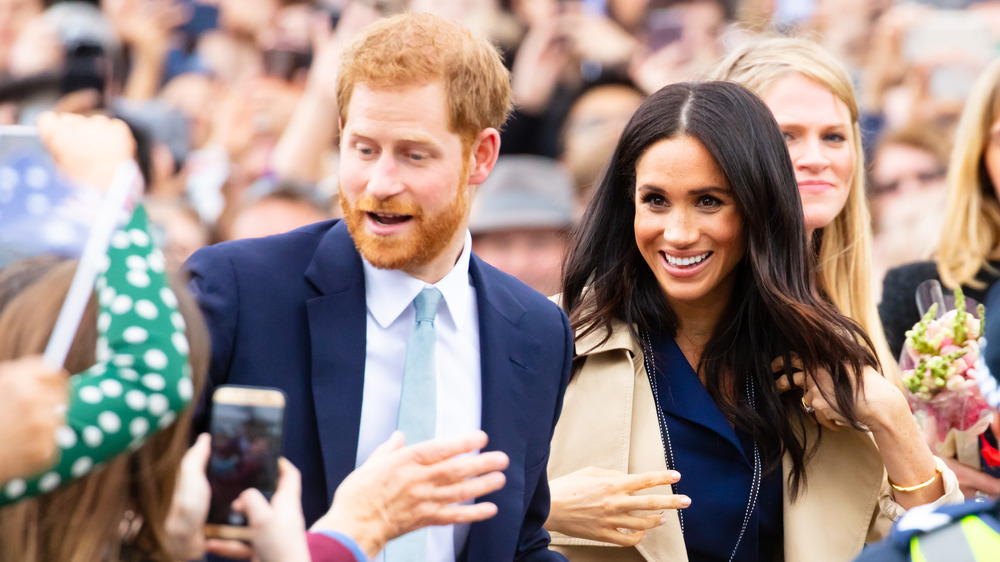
x=948, y=385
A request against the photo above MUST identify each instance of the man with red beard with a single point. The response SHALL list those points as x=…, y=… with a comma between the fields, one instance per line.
x=327, y=313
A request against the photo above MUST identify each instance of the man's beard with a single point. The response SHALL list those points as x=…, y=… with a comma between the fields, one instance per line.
x=429, y=234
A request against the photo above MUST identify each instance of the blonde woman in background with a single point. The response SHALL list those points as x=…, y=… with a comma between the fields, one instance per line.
x=812, y=99
x=968, y=254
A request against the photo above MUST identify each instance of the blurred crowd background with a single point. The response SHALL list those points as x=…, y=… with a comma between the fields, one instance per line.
x=233, y=104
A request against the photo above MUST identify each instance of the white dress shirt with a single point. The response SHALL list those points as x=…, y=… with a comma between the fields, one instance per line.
x=389, y=298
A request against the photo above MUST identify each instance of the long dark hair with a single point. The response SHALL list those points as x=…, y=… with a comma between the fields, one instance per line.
x=776, y=309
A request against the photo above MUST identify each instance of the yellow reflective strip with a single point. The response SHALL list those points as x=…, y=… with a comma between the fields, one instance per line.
x=983, y=540
x=915, y=554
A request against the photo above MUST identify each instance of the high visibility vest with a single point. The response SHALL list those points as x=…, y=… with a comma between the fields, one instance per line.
x=969, y=539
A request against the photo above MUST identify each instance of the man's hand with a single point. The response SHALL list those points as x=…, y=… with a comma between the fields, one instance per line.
x=32, y=407
x=87, y=149
x=598, y=504
x=401, y=489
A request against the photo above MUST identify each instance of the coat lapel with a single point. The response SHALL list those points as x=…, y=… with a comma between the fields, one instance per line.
x=505, y=353
x=337, y=332
x=625, y=439
x=843, y=481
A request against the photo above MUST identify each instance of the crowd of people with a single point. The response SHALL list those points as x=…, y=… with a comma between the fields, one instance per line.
x=537, y=279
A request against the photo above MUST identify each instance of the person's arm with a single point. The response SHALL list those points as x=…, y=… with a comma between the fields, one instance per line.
x=331, y=546
x=314, y=123
x=145, y=27
x=141, y=380
x=915, y=476
x=397, y=490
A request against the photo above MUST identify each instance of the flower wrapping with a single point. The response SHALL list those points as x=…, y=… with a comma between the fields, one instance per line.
x=945, y=377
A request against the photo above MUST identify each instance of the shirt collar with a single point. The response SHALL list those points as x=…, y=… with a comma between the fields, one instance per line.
x=389, y=291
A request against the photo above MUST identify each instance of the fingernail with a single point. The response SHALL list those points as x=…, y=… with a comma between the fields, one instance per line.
x=685, y=501
x=675, y=475
x=663, y=520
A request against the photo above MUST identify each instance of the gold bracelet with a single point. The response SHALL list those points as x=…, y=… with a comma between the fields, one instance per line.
x=938, y=469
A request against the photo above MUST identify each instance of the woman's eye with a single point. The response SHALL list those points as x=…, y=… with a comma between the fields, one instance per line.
x=709, y=201
x=834, y=137
x=654, y=200
x=789, y=137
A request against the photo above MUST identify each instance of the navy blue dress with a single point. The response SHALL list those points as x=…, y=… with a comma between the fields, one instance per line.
x=716, y=465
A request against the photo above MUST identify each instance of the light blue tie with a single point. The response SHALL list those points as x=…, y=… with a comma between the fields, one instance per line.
x=418, y=407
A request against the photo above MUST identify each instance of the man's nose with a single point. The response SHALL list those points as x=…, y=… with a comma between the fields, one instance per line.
x=385, y=180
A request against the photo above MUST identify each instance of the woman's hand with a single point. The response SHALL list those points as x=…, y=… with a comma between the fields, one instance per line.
x=278, y=527
x=185, y=523
x=598, y=504
x=879, y=404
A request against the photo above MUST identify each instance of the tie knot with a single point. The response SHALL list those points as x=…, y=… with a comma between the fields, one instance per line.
x=426, y=304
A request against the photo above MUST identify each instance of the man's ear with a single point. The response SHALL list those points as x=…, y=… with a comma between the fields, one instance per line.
x=484, y=154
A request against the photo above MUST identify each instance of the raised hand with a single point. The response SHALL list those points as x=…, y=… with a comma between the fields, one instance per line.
x=401, y=489
x=599, y=504
x=87, y=149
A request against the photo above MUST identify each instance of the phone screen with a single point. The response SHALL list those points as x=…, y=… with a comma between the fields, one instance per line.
x=246, y=444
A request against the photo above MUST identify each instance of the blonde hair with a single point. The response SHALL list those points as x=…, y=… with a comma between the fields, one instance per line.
x=971, y=229
x=119, y=511
x=844, y=251
x=418, y=49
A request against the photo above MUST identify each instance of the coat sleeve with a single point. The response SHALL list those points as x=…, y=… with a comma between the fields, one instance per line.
x=214, y=284
x=890, y=511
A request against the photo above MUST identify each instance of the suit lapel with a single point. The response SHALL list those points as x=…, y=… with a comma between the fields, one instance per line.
x=505, y=353
x=337, y=331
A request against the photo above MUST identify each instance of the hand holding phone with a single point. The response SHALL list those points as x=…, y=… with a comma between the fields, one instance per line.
x=246, y=427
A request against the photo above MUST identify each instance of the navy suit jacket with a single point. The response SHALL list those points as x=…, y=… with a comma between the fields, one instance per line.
x=288, y=311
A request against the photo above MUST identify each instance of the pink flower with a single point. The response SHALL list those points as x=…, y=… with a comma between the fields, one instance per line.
x=950, y=347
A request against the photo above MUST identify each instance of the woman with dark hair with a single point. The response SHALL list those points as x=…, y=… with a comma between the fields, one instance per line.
x=705, y=348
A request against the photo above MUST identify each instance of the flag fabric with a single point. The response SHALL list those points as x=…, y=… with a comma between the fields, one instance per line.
x=40, y=211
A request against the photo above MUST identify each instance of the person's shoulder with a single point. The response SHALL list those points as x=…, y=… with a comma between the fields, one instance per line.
x=529, y=298
x=294, y=245
x=911, y=274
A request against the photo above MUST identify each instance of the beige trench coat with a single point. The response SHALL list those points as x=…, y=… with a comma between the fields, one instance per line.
x=609, y=421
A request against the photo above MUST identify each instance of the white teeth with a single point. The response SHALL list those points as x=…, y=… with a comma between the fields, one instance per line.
x=686, y=261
